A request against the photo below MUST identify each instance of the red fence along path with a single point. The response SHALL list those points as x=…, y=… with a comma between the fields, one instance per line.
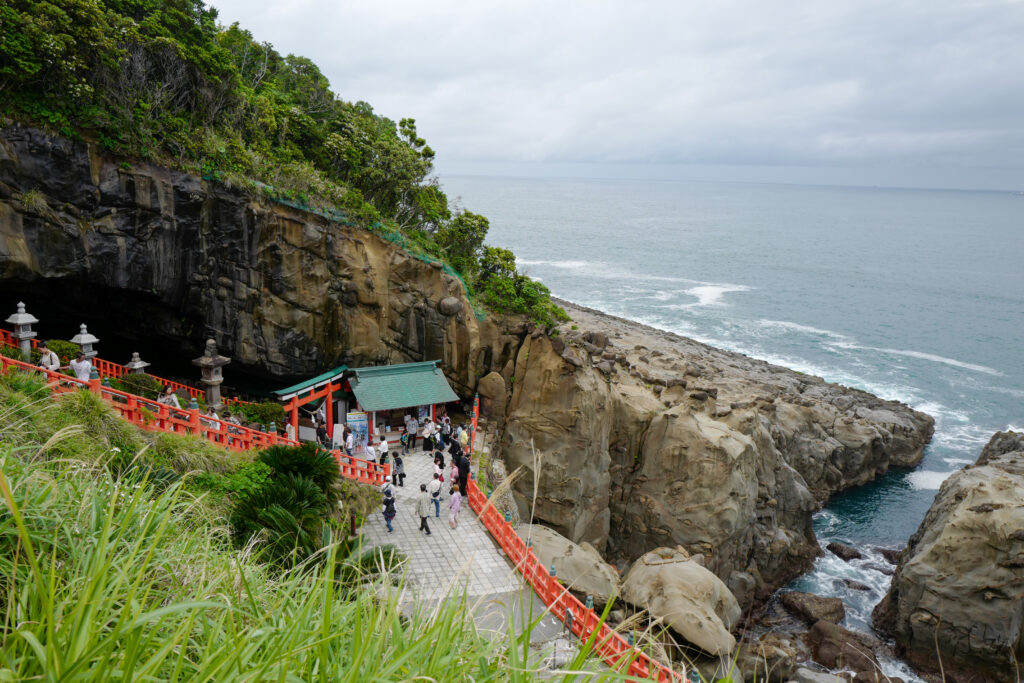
x=611, y=646
x=153, y=416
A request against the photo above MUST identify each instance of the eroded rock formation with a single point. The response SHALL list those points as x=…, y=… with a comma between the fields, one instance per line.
x=647, y=439
x=166, y=254
x=959, y=586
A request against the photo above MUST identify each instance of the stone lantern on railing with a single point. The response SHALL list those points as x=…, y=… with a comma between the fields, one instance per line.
x=85, y=342
x=136, y=364
x=23, y=322
x=211, y=363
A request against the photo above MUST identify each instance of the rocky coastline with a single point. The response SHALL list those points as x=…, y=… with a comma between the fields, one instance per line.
x=636, y=441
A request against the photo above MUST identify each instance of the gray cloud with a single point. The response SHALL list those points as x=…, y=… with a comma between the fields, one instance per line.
x=916, y=85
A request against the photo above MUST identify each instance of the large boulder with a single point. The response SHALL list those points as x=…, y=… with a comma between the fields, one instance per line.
x=493, y=395
x=959, y=587
x=813, y=608
x=837, y=648
x=688, y=598
x=580, y=567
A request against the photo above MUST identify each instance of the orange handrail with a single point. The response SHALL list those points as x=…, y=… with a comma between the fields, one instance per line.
x=611, y=646
x=153, y=416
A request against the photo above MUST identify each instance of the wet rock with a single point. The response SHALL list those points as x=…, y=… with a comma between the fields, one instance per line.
x=812, y=608
x=856, y=585
x=844, y=551
x=837, y=648
x=891, y=555
x=805, y=675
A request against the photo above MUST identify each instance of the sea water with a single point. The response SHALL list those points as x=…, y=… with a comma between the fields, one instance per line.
x=913, y=295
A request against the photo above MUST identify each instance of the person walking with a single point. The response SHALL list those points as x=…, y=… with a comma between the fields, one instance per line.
x=464, y=438
x=81, y=367
x=321, y=435
x=399, y=470
x=434, y=489
x=454, y=474
x=350, y=444
x=382, y=450
x=454, y=505
x=168, y=397
x=444, y=431
x=428, y=436
x=464, y=473
x=48, y=360
x=386, y=487
x=423, y=508
x=389, y=509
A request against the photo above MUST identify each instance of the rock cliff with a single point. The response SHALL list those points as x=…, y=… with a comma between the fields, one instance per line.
x=166, y=255
x=647, y=439
x=959, y=585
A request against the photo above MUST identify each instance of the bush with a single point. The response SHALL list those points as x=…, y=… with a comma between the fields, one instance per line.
x=260, y=413
x=246, y=480
x=285, y=516
x=139, y=384
x=307, y=460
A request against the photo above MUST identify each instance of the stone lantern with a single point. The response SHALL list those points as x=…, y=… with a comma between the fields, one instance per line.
x=85, y=342
x=211, y=363
x=23, y=322
x=136, y=364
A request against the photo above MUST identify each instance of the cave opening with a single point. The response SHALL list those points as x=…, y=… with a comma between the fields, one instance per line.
x=125, y=321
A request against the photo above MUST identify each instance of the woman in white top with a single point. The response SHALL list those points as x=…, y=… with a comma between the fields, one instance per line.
x=81, y=367
x=168, y=397
x=48, y=360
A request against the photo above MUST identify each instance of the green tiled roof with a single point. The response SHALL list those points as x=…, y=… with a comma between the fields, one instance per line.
x=309, y=384
x=389, y=387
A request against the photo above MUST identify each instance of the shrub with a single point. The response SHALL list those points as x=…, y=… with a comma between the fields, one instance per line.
x=307, y=460
x=260, y=413
x=285, y=516
x=139, y=384
x=246, y=480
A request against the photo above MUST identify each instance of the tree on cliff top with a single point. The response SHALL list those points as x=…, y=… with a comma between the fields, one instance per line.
x=162, y=80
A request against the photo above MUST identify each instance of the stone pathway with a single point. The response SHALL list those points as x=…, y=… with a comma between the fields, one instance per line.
x=462, y=559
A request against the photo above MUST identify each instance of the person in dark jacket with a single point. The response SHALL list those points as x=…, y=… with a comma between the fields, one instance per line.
x=464, y=473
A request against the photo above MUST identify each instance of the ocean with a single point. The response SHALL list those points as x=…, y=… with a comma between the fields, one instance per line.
x=913, y=295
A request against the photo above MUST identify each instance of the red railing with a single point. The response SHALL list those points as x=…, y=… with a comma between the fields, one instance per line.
x=584, y=623
x=153, y=416
x=108, y=368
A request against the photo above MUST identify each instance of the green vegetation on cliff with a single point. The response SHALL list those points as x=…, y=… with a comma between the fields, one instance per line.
x=161, y=80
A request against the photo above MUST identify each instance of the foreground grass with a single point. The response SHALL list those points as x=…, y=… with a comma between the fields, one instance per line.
x=116, y=572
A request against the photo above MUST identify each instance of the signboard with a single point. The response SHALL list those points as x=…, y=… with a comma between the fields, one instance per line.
x=360, y=426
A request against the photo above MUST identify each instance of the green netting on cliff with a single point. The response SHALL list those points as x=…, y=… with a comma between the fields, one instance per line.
x=396, y=237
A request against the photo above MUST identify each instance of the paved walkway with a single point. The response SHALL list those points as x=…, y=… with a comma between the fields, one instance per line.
x=458, y=561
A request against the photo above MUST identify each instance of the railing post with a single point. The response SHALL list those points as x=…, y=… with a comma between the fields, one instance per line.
x=94, y=381
x=193, y=415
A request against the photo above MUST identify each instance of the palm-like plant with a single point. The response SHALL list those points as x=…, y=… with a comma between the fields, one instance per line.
x=307, y=460
x=286, y=517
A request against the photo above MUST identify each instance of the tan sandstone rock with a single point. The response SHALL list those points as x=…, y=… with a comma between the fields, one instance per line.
x=687, y=597
x=959, y=587
x=579, y=567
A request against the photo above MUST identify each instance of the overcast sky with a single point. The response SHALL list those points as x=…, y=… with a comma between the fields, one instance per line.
x=928, y=93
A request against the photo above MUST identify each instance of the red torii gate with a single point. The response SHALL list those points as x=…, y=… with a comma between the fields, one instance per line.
x=322, y=386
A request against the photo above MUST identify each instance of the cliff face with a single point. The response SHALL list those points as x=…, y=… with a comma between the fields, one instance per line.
x=281, y=290
x=647, y=439
x=959, y=585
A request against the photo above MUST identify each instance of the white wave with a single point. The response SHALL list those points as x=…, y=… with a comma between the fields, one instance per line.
x=940, y=359
x=568, y=265
x=797, y=327
x=927, y=480
x=663, y=295
x=955, y=462
x=1011, y=428
x=711, y=294
x=966, y=438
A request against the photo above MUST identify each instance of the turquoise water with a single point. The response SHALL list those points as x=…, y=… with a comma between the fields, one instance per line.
x=913, y=295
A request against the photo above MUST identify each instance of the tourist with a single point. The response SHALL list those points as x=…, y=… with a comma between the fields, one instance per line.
x=389, y=508
x=399, y=470
x=81, y=367
x=208, y=419
x=434, y=487
x=439, y=458
x=454, y=475
x=454, y=505
x=168, y=398
x=405, y=440
x=411, y=425
x=423, y=508
x=386, y=487
x=382, y=449
x=444, y=431
x=464, y=438
x=464, y=473
x=350, y=443
x=428, y=435
x=371, y=454
x=321, y=435
x=289, y=431
x=455, y=450
x=48, y=360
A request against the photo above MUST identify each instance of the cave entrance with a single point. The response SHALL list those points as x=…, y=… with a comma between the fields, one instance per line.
x=126, y=321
